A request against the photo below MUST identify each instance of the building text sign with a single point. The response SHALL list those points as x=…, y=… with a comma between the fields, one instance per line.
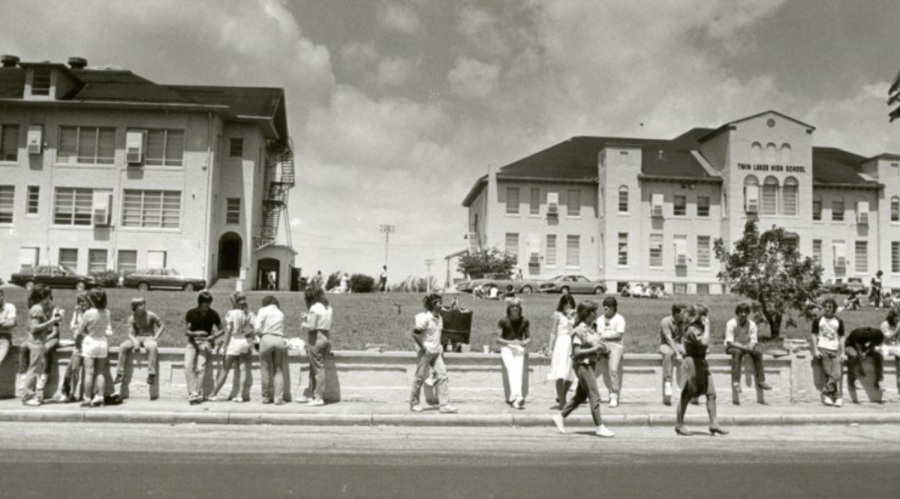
x=759, y=167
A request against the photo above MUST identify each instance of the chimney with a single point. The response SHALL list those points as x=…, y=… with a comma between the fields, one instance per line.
x=9, y=61
x=77, y=62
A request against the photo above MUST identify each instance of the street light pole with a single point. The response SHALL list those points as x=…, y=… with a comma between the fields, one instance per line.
x=428, y=263
x=387, y=229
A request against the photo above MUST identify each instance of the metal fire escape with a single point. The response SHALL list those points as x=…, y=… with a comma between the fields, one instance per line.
x=280, y=174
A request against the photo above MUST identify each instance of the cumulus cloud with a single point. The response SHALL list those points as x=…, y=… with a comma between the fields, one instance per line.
x=396, y=71
x=483, y=30
x=399, y=18
x=358, y=54
x=473, y=79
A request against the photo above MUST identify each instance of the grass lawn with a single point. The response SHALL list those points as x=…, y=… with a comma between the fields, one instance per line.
x=387, y=319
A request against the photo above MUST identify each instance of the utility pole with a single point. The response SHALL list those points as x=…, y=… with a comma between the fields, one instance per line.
x=387, y=229
x=428, y=263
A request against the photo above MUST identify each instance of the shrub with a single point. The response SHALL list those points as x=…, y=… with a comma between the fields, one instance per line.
x=361, y=283
x=333, y=281
x=107, y=278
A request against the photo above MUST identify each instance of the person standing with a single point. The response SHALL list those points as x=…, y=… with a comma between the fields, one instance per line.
x=827, y=345
x=891, y=329
x=7, y=324
x=560, y=345
x=671, y=346
x=429, y=355
x=698, y=378
x=43, y=319
x=876, y=294
x=272, y=350
x=69, y=392
x=317, y=323
x=586, y=344
x=611, y=327
x=94, y=348
x=382, y=279
x=238, y=332
x=513, y=335
x=864, y=342
x=741, y=338
x=144, y=330
x=200, y=324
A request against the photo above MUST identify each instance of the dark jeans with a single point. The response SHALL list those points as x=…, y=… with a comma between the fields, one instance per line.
x=586, y=390
x=855, y=365
x=737, y=357
x=318, y=347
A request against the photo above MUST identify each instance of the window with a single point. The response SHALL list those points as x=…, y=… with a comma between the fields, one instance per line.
x=817, y=251
x=165, y=148
x=550, y=251
x=87, y=145
x=151, y=209
x=862, y=256
x=656, y=250
x=623, y=199
x=535, y=207
x=34, y=199
x=127, y=261
x=771, y=153
x=751, y=194
x=756, y=152
x=656, y=204
x=817, y=207
x=512, y=243
x=703, y=206
x=837, y=209
x=839, y=250
x=512, y=200
x=156, y=259
x=7, y=202
x=895, y=257
x=40, y=81
x=789, y=197
x=895, y=209
x=623, y=248
x=72, y=206
x=96, y=260
x=573, y=250
x=770, y=196
x=68, y=257
x=236, y=147
x=9, y=142
x=233, y=211
x=703, y=252
x=574, y=206
x=679, y=206
x=785, y=153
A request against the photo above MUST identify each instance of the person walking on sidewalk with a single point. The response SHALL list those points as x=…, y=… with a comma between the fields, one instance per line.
x=513, y=335
x=317, y=323
x=7, y=324
x=69, y=391
x=827, y=345
x=864, y=342
x=698, y=378
x=42, y=321
x=95, y=348
x=238, y=332
x=144, y=330
x=429, y=355
x=272, y=350
x=611, y=327
x=560, y=346
x=586, y=344
x=741, y=338
x=200, y=325
x=671, y=346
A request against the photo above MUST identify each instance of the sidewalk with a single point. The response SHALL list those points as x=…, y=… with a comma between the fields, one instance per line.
x=470, y=414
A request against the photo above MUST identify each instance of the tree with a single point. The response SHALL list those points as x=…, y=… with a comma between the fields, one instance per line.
x=894, y=97
x=487, y=261
x=768, y=269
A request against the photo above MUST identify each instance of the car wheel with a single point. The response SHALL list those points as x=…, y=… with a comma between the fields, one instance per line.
x=527, y=290
x=79, y=286
x=599, y=290
x=143, y=287
x=564, y=289
x=29, y=285
x=188, y=287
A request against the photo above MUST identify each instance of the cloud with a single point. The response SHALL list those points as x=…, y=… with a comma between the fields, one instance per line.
x=473, y=79
x=396, y=71
x=483, y=30
x=358, y=54
x=399, y=18
x=858, y=123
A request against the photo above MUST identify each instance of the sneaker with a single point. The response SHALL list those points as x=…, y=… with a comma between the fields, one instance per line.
x=416, y=408
x=827, y=400
x=603, y=431
x=736, y=388
x=762, y=385
x=613, y=401
x=218, y=398
x=195, y=399
x=303, y=400
x=559, y=422
x=448, y=409
x=316, y=403
x=97, y=401
x=838, y=402
x=519, y=403
x=667, y=388
x=32, y=402
x=238, y=400
x=856, y=385
x=120, y=378
x=151, y=379
x=279, y=401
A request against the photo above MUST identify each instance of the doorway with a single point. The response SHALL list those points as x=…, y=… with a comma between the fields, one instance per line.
x=229, y=255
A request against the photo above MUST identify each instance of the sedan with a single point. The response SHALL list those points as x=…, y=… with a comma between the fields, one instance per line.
x=146, y=279
x=574, y=284
x=53, y=276
x=500, y=281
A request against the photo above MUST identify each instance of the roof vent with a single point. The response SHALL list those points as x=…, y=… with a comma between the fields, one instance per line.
x=9, y=61
x=77, y=62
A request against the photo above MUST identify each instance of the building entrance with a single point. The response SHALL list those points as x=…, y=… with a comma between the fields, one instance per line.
x=229, y=255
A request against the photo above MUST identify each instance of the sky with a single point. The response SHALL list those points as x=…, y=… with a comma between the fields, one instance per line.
x=397, y=107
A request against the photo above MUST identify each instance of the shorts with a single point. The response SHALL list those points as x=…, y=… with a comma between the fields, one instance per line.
x=238, y=346
x=94, y=349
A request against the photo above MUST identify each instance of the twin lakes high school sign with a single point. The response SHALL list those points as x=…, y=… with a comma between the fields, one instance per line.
x=759, y=167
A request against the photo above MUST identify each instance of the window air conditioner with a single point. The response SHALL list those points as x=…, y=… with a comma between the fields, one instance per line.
x=552, y=209
x=35, y=139
x=101, y=216
x=134, y=148
x=862, y=218
x=535, y=258
x=681, y=260
x=840, y=262
x=657, y=210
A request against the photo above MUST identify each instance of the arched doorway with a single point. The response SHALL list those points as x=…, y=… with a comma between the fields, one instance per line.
x=268, y=274
x=230, y=255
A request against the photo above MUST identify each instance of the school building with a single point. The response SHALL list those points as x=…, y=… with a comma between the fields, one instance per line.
x=626, y=210
x=102, y=169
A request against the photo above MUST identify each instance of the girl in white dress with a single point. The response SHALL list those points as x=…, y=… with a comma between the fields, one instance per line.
x=561, y=347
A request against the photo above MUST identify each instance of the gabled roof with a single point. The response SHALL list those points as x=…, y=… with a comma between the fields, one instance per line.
x=731, y=124
x=838, y=168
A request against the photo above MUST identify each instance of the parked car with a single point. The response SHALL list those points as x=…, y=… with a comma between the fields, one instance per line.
x=501, y=281
x=576, y=284
x=54, y=276
x=841, y=287
x=158, y=278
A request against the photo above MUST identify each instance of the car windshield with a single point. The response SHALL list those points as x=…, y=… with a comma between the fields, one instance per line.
x=172, y=272
x=67, y=270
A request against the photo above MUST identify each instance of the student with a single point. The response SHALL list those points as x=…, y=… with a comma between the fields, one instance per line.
x=860, y=343
x=318, y=326
x=7, y=324
x=69, y=391
x=611, y=327
x=144, y=330
x=94, y=348
x=382, y=279
x=891, y=329
x=586, y=344
x=670, y=332
x=513, y=335
x=741, y=338
x=852, y=301
x=238, y=333
x=698, y=379
x=510, y=293
x=200, y=324
x=561, y=348
x=43, y=319
x=876, y=293
x=827, y=345
x=272, y=350
x=429, y=355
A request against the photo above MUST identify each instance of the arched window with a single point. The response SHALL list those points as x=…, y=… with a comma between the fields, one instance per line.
x=785, y=153
x=789, y=197
x=623, y=199
x=751, y=194
x=895, y=209
x=771, y=153
x=756, y=152
x=837, y=209
x=770, y=196
x=817, y=207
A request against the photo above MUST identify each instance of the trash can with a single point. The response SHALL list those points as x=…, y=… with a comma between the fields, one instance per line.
x=457, y=328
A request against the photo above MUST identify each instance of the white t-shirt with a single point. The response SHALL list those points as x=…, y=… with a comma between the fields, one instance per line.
x=270, y=320
x=829, y=332
x=319, y=318
x=431, y=327
x=608, y=328
x=745, y=335
x=7, y=313
x=95, y=324
x=240, y=321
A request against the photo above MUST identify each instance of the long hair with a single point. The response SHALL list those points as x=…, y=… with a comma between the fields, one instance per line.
x=514, y=303
x=313, y=295
x=98, y=298
x=696, y=313
x=38, y=294
x=584, y=310
x=565, y=300
x=893, y=317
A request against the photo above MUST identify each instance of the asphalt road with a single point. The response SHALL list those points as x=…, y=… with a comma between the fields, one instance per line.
x=87, y=460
